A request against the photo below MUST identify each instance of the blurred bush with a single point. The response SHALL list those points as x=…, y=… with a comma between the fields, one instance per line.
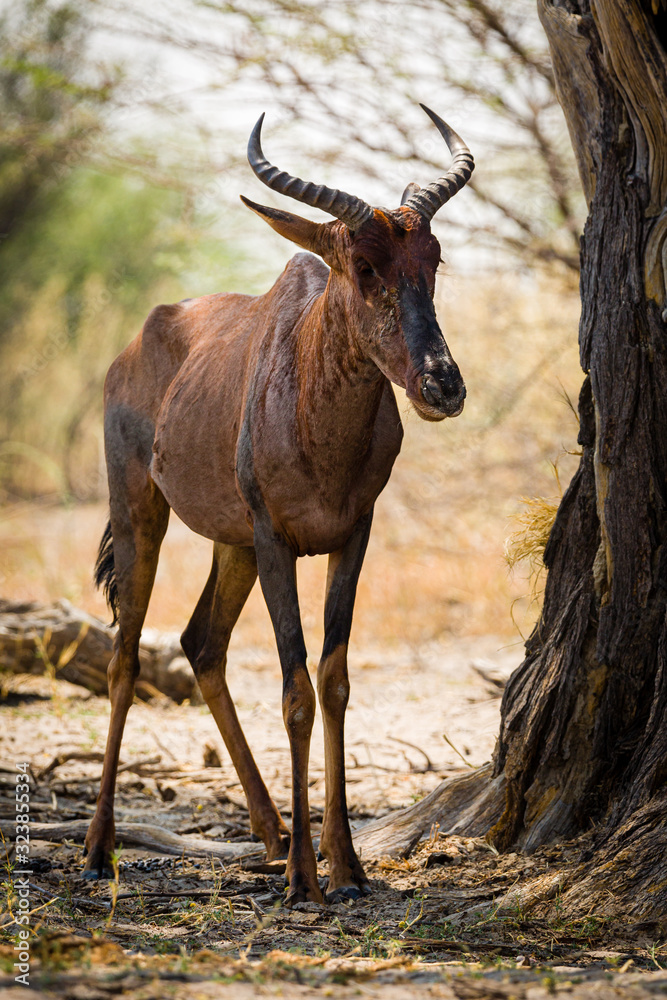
x=50, y=101
x=74, y=282
x=86, y=250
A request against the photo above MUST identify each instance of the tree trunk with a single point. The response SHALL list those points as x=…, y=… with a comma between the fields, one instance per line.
x=583, y=738
x=583, y=735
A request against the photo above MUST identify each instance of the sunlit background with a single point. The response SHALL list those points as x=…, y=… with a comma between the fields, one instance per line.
x=122, y=156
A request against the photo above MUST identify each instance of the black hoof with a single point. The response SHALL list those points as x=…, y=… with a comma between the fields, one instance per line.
x=346, y=892
x=300, y=892
x=96, y=875
x=98, y=865
x=298, y=896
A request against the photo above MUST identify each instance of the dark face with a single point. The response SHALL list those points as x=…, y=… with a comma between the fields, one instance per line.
x=393, y=259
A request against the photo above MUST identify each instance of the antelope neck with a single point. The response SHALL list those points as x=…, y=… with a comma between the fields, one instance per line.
x=339, y=386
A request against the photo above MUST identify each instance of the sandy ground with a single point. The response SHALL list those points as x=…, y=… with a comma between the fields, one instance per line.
x=192, y=928
x=403, y=704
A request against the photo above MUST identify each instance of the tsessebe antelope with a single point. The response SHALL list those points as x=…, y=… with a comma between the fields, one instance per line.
x=269, y=425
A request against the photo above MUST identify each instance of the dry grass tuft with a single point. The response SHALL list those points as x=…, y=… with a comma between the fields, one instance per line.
x=528, y=542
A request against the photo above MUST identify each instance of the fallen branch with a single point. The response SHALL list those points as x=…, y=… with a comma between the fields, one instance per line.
x=495, y=681
x=223, y=893
x=88, y=756
x=133, y=766
x=94, y=904
x=154, y=838
x=413, y=746
x=61, y=641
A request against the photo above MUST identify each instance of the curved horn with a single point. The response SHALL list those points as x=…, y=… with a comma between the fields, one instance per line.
x=353, y=211
x=428, y=200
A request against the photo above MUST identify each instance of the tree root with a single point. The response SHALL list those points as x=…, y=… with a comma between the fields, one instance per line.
x=519, y=899
x=626, y=876
x=468, y=805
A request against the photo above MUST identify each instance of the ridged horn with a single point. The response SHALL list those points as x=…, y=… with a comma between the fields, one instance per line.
x=350, y=210
x=429, y=199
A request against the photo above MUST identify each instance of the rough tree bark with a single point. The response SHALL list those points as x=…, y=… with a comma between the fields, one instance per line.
x=584, y=719
x=583, y=738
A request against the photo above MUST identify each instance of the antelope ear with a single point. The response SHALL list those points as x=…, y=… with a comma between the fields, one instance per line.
x=311, y=236
x=411, y=189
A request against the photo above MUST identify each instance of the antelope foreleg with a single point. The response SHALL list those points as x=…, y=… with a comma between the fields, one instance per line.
x=347, y=878
x=277, y=574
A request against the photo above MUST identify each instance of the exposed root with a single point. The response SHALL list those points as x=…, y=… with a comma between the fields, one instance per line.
x=468, y=805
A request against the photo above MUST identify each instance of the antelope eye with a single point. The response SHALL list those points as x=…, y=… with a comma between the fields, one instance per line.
x=364, y=268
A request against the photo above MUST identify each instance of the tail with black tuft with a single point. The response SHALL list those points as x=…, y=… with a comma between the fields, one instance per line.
x=105, y=572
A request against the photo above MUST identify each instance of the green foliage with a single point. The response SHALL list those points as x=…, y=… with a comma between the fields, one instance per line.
x=90, y=224
x=92, y=257
x=85, y=251
x=50, y=101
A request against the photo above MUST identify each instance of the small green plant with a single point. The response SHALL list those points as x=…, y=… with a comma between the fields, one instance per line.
x=161, y=945
x=115, y=883
x=653, y=952
x=142, y=902
x=184, y=962
x=371, y=944
x=374, y=944
x=434, y=932
x=344, y=936
x=549, y=982
x=590, y=927
x=558, y=907
x=67, y=893
x=406, y=923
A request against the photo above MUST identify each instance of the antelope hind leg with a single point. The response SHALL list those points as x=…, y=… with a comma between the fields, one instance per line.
x=139, y=517
x=205, y=642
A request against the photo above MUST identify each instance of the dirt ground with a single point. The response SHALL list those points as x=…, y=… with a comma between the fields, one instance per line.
x=193, y=927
